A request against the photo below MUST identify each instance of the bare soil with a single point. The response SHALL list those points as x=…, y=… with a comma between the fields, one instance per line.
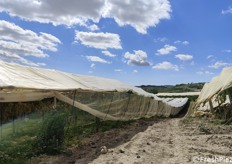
x=175, y=140
x=90, y=147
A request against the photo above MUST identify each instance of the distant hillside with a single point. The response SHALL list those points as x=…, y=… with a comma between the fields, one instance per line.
x=191, y=87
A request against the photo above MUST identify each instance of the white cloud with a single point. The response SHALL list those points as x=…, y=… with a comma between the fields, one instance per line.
x=16, y=58
x=139, y=14
x=92, y=65
x=184, y=57
x=210, y=56
x=177, y=42
x=93, y=27
x=161, y=39
x=99, y=40
x=56, y=12
x=118, y=70
x=135, y=71
x=228, y=11
x=107, y=53
x=139, y=58
x=227, y=51
x=166, y=50
x=16, y=43
x=182, y=42
x=219, y=64
x=96, y=59
x=205, y=73
x=209, y=73
x=166, y=66
x=185, y=43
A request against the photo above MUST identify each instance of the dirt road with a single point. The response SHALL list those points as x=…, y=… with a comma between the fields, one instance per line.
x=167, y=141
x=172, y=141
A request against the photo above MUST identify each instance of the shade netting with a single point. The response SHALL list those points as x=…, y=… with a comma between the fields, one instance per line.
x=104, y=98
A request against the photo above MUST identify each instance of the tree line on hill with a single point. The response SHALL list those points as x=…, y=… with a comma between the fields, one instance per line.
x=190, y=87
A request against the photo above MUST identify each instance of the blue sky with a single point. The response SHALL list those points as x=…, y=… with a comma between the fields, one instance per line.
x=155, y=42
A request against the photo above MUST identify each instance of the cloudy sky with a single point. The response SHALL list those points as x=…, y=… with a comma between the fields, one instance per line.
x=139, y=42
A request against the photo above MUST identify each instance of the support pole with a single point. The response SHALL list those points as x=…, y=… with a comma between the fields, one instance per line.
x=230, y=98
x=211, y=106
x=55, y=101
x=123, y=117
x=83, y=107
x=140, y=103
x=112, y=98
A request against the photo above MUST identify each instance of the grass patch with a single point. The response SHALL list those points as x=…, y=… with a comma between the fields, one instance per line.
x=188, y=120
x=204, y=129
x=15, y=146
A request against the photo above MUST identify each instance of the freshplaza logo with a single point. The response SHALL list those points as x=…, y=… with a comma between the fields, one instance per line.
x=213, y=159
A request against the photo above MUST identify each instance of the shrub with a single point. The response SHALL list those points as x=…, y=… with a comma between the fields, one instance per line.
x=51, y=135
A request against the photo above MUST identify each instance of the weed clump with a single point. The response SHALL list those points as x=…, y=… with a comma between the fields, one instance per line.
x=51, y=135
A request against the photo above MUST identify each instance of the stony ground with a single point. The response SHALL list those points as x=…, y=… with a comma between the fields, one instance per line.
x=165, y=141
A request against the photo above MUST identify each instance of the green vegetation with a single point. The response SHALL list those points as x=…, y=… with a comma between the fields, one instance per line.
x=50, y=132
x=15, y=146
x=224, y=111
x=204, y=129
x=191, y=87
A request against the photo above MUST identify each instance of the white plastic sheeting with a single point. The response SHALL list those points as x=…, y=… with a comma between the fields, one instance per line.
x=211, y=90
x=21, y=84
x=22, y=77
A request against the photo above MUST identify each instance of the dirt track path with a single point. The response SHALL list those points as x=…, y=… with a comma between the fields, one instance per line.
x=161, y=143
x=171, y=141
x=165, y=141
